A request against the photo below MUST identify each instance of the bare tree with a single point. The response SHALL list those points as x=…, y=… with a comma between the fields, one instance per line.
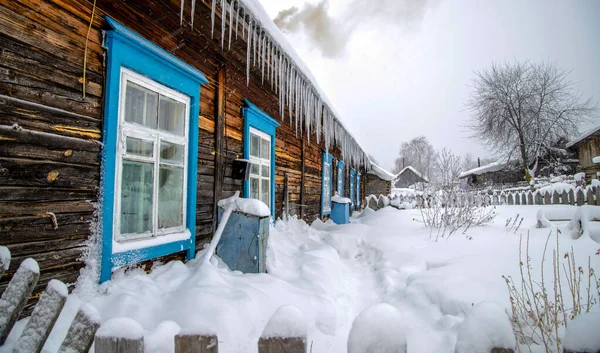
x=448, y=166
x=419, y=154
x=520, y=108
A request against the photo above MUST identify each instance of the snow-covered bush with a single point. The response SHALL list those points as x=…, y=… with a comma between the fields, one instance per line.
x=539, y=308
x=452, y=210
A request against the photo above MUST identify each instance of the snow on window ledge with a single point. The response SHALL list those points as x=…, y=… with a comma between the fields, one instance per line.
x=120, y=247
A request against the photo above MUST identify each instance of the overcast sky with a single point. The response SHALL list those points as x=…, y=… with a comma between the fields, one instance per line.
x=406, y=66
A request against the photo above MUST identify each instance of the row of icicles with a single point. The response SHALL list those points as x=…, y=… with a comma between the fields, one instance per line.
x=290, y=83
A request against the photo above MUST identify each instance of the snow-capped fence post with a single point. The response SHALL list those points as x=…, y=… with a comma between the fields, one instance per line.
x=4, y=260
x=571, y=197
x=196, y=343
x=547, y=198
x=285, y=332
x=564, y=198
x=555, y=198
x=43, y=318
x=529, y=197
x=597, y=196
x=82, y=330
x=120, y=335
x=539, y=200
x=15, y=297
x=590, y=197
x=510, y=200
x=580, y=197
x=517, y=198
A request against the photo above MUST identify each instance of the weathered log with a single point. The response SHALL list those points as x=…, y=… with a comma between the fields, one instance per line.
x=196, y=344
x=571, y=197
x=580, y=197
x=81, y=333
x=589, y=199
x=547, y=198
x=564, y=198
x=555, y=198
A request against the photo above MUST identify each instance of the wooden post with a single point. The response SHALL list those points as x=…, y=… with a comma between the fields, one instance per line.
x=517, y=198
x=547, y=198
x=555, y=198
x=597, y=196
x=43, y=318
x=292, y=339
x=219, y=137
x=502, y=350
x=281, y=345
x=590, y=197
x=196, y=344
x=81, y=333
x=286, y=197
x=105, y=344
x=302, y=179
x=564, y=198
x=571, y=197
x=15, y=297
x=580, y=197
x=511, y=199
x=4, y=259
x=529, y=197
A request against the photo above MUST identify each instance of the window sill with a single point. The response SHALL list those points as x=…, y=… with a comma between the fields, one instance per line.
x=119, y=247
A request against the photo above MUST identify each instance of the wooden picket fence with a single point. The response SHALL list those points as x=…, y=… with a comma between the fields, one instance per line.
x=579, y=196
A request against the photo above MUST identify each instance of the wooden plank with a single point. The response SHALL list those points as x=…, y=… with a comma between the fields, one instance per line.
x=220, y=104
x=81, y=333
x=303, y=179
x=281, y=345
x=30, y=172
x=196, y=344
x=107, y=344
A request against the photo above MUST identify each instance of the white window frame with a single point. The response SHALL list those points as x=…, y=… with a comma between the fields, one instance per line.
x=327, y=185
x=129, y=129
x=260, y=162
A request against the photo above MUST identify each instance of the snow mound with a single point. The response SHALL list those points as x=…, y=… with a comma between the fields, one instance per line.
x=31, y=265
x=379, y=329
x=121, y=327
x=59, y=287
x=248, y=206
x=582, y=333
x=161, y=338
x=579, y=176
x=91, y=313
x=487, y=326
x=4, y=257
x=287, y=322
x=338, y=199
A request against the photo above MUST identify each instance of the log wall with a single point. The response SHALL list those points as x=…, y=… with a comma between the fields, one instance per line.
x=374, y=185
x=50, y=133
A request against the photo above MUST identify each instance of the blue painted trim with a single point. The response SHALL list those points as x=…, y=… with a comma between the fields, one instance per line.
x=340, y=169
x=358, y=190
x=127, y=49
x=256, y=118
x=124, y=258
x=326, y=158
x=352, y=173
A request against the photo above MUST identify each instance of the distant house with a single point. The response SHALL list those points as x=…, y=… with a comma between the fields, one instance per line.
x=587, y=146
x=378, y=181
x=490, y=174
x=407, y=177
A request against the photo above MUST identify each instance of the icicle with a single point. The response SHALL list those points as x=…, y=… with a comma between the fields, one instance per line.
x=237, y=20
x=249, y=40
x=181, y=13
x=230, y=23
x=254, y=35
x=223, y=21
x=193, y=11
x=244, y=26
x=262, y=58
x=290, y=90
x=212, y=17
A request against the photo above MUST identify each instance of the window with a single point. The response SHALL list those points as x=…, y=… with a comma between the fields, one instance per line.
x=151, y=160
x=150, y=152
x=340, y=178
x=259, y=149
x=352, y=186
x=326, y=184
x=358, y=190
x=260, y=166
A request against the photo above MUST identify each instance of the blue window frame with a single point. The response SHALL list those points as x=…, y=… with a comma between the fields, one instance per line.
x=357, y=190
x=352, y=173
x=340, y=177
x=261, y=128
x=131, y=57
x=326, y=184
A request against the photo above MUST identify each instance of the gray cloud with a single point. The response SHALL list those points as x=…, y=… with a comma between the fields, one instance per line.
x=331, y=35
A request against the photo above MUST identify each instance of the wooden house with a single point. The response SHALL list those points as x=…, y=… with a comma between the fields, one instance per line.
x=587, y=146
x=407, y=177
x=121, y=124
x=496, y=173
x=378, y=181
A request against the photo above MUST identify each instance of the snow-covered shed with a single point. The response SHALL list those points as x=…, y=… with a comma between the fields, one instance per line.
x=587, y=146
x=494, y=173
x=378, y=181
x=407, y=177
x=124, y=122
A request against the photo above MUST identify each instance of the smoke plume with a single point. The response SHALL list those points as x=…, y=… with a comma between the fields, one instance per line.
x=331, y=35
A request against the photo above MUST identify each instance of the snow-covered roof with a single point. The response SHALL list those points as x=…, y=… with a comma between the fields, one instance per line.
x=269, y=53
x=412, y=170
x=380, y=172
x=583, y=136
x=488, y=168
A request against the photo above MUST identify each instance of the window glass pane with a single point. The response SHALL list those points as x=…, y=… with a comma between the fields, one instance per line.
x=170, y=197
x=254, y=188
x=265, y=171
x=170, y=152
x=264, y=191
x=254, y=169
x=254, y=145
x=140, y=105
x=139, y=147
x=136, y=197
x=265, y=147
x=171, y=116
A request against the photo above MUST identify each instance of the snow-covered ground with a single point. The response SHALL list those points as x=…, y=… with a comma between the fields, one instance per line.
x=331, y=274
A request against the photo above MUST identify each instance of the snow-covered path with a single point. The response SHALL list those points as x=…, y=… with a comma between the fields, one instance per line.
x=331, y=273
